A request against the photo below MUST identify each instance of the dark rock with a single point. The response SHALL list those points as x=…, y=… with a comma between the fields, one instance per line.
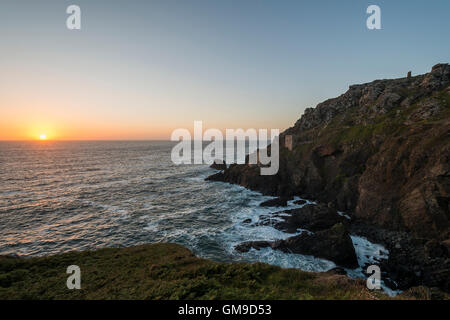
x=299, y=202
x=252, y=179
x=218, y=165
x=277, y=202
x=412, y=261
x=246, y=246
x=310, y=217
x=390, y=284
x=434, y=249
x=332, y=244
x=247, y=221
x=219, y=176
x=326, y=150
x=446, y=244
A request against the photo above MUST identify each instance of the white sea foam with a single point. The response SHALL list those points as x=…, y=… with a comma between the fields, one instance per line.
x=240, y=232
x=152, y=226
x=342, y=214
x=366, y=251
x=369, y=253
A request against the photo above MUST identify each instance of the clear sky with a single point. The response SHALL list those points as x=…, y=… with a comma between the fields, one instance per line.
x=140, y=69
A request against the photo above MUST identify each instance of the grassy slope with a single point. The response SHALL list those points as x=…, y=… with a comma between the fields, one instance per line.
x=166, y=271
x=384, y=125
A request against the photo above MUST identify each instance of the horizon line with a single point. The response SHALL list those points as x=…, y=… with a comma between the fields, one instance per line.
x=99, y=140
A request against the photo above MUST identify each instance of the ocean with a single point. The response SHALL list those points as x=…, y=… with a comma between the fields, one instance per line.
x=59, y=196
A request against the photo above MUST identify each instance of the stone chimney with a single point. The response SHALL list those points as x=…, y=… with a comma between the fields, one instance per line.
x=288, y=142
x=409, y=75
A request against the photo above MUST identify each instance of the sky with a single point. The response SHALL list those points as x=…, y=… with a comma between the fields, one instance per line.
x=141, y=69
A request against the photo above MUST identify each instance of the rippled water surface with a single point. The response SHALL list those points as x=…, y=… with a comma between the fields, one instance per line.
x=62, y=196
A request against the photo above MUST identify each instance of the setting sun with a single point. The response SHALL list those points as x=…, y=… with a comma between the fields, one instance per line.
x=43, y=137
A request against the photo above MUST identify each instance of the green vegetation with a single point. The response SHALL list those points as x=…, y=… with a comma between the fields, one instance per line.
x=354, y=133
x=341, y=130
x=340, y=180
x=166, y=271
x=445, y=96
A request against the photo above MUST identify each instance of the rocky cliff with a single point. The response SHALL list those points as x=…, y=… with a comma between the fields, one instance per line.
x=380, y=152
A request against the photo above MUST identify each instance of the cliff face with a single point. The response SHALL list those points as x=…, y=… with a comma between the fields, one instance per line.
x=380, y=151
